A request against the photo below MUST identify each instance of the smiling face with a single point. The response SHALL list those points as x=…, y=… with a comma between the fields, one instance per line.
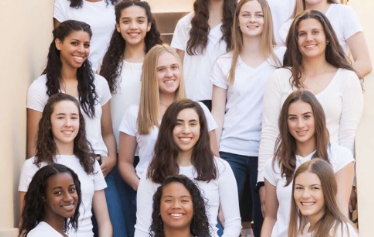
x=168, y=73
x=65, y=122
x=176, y=207
x=133, y=25
x=311, y=39
x=251, y=19
x=308, y=196
x=60, y=197
x=75, y=49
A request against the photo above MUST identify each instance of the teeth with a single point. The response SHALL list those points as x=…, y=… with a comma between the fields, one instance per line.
x=307, y=203
x=185, y=139
x=309, y=46
x=79, y=59
x=168, y=81
x=68, y=207
x=176, y=215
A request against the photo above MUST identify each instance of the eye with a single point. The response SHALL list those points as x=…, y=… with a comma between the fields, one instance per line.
x=292, y=118
x=74, y=43
x=141, y=21
x=185, y=201
x=87, y=45
x=168, y=200
x=301, y=33
x=60, y=117
x=307, y=116
x=72, y=190
x=125, y=21
x=315, y=188
x=245, y=15
x=57, y=193
x=298, y=188
x=193, y=123
x=315, y=32
x=175, y=66
x=260, y=15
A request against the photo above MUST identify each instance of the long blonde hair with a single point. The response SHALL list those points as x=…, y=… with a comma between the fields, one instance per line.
x=300, y=7
x=267, y=37
x=149, y=106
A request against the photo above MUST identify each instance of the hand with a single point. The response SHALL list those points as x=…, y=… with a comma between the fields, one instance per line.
x=107, y=165
x=353, y=200
x=262, y=199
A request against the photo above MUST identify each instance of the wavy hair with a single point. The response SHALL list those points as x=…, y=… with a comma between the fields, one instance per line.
x=200, y=28
x=113, y=59
x=199, y=225
x=79, y=3
x=164, y=162
x=33, y=211
x=46, y=148
x=85, y=75
x=285, y=153
x=267, y=37
x=293, y=59
x=300, y=6
x=333, y=217
x=148, y=115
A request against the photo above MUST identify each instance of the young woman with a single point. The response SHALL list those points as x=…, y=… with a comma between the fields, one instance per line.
x=62, y=139
x=51, y=203
x=183, y=147
x=303, y=136
x=347, y=28
x=239, y=80
x=315, y=61
x=200, y=37
x=314, y=210
x=99, y=14
x=179, y=209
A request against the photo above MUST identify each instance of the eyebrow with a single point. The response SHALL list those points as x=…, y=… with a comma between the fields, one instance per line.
x=65, y=114
x=179, y=196
x=301, y=114
x=192, y=120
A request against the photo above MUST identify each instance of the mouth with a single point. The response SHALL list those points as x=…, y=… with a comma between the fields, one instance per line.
x=133, y=33
x=176, y=215
x=67, y=132
x=69, y=207
x=169, y=81
x=310, y=46
x=252, y=26
x=307, y=204
x=185, y=139
x=301, y=133
x=79, y=59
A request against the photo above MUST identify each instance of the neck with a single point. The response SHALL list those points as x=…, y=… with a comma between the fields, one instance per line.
x=68, y=73
x=215, y=8
x=305, y=148
x=313, y=219
x=310, y=66
x=323, y=6
x=55, y=221
x=167, y=99
x=251, y=46
x=184, y=158
x=134, y=53
x=64, y=148
x=180, y=232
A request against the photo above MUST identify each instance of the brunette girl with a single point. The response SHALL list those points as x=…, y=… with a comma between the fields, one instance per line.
x=303, y=136
x=62, y=139
x=183, y=147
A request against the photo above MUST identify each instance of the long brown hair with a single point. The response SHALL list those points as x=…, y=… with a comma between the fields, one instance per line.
x=333, y=217
x=46, y=148
x=267, y=37
x=200, y=28
x=300, y=6
x=285, y=152
x=164, y=162
x=334, y=53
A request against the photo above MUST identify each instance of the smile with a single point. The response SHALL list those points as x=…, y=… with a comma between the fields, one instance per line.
x=307, y=203
x=69, y=207
x=79, y=59
x=301, y=133
x=169, y=81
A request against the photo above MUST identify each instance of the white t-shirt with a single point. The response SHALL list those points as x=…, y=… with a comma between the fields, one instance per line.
x=222, y=190
x=339, y=157
x=197, y=68
x=43, y=229
x=341, y=100
x=89, y=184
x=343, y=19
x=339, y=233
x=146, y=143
x=37, y=98
x=99, y=15
x=241, y=129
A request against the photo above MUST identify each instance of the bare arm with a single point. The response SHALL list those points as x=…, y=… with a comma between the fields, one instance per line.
x=271, y=209
x=33, y=118
x=218, y=109
x=100, y=208
x=127, y=146
x=107, y=133
x=21, y=205
x=213, y=143
x=360, y=53
x=181, y=54
x=344, y=180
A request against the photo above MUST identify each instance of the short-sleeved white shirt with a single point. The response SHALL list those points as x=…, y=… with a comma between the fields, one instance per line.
x=222, y=190
x=146, y=142
x=339, y=157
x=37, y=98
x=89, y=184
x=197, y=68
x=43, y=229
x=339, y=232
x=343, y=19
x=241, y=130
x=99, y=15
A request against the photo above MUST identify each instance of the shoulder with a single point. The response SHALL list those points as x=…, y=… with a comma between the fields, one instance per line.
x=339, y=156
x=133, y=109
x=280, y=51
x=43, y=230
x=39, y=83
x=100, y=81
x=186, y=20
x=341, y=9
x=225, y=58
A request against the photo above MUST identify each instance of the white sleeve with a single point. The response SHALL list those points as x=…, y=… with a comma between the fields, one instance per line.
x=128, y=124
x=352, y=109
x=27, y=173
x=180, y=36
x=270, y=174
x=99, y=180
x=59, y=10
x=341, y=157
x=283, y=32
x=217, y=76
x=228, y=195
x=37, y=96
x=209, y=117
x=102, y=88
x=40, y=233
x=350, y=23
x=271, y=109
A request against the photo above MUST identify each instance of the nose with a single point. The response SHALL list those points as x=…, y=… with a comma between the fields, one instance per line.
x=68, y=197
x=169, y=72
x=186, y=129
x=81, y=48
x=68, y=122
x=176, y=204
x=133, y=25
x=309, y=36
x=300, y=123
x=306, y=193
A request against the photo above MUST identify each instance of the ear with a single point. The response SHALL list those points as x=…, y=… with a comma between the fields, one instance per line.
x=118, y=28
x=149, y=26
x=58, y=44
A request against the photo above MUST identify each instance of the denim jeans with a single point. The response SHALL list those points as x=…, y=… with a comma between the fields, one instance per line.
x=244, y=166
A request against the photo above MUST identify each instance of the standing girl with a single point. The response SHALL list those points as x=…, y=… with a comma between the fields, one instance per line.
x=303, y=136
x=239, y=80
x=62, y=139
x=183, y=147
x=200, y=37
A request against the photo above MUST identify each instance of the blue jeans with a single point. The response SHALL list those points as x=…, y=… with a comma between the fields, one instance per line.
x=244, y=166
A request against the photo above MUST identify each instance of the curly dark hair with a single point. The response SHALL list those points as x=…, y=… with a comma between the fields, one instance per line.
x=164, y=162
x=199, y=225
x=33, y=211
x=85, y=75
x=200, y=28
x=79, y=3
x=46, y=147
x=112, y=61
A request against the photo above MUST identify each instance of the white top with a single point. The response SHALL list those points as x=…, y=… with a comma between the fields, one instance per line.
x=99, y=15
x=146, y=143
x=222, y=190
x=89, y=184
x=343, y=19
x=37, y=98
x=43, y=229
x=197, y=68
x=339, y=157
x=281, y=12
x=339, y=232
x=342, y=102
x=241, y=129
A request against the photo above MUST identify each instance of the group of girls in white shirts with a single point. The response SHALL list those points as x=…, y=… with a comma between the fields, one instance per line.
x=113, y=104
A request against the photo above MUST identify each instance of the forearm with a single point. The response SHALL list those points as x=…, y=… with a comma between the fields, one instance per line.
x=362, y=67
x=267, y=226
x=128, y=174
x=105, y=229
